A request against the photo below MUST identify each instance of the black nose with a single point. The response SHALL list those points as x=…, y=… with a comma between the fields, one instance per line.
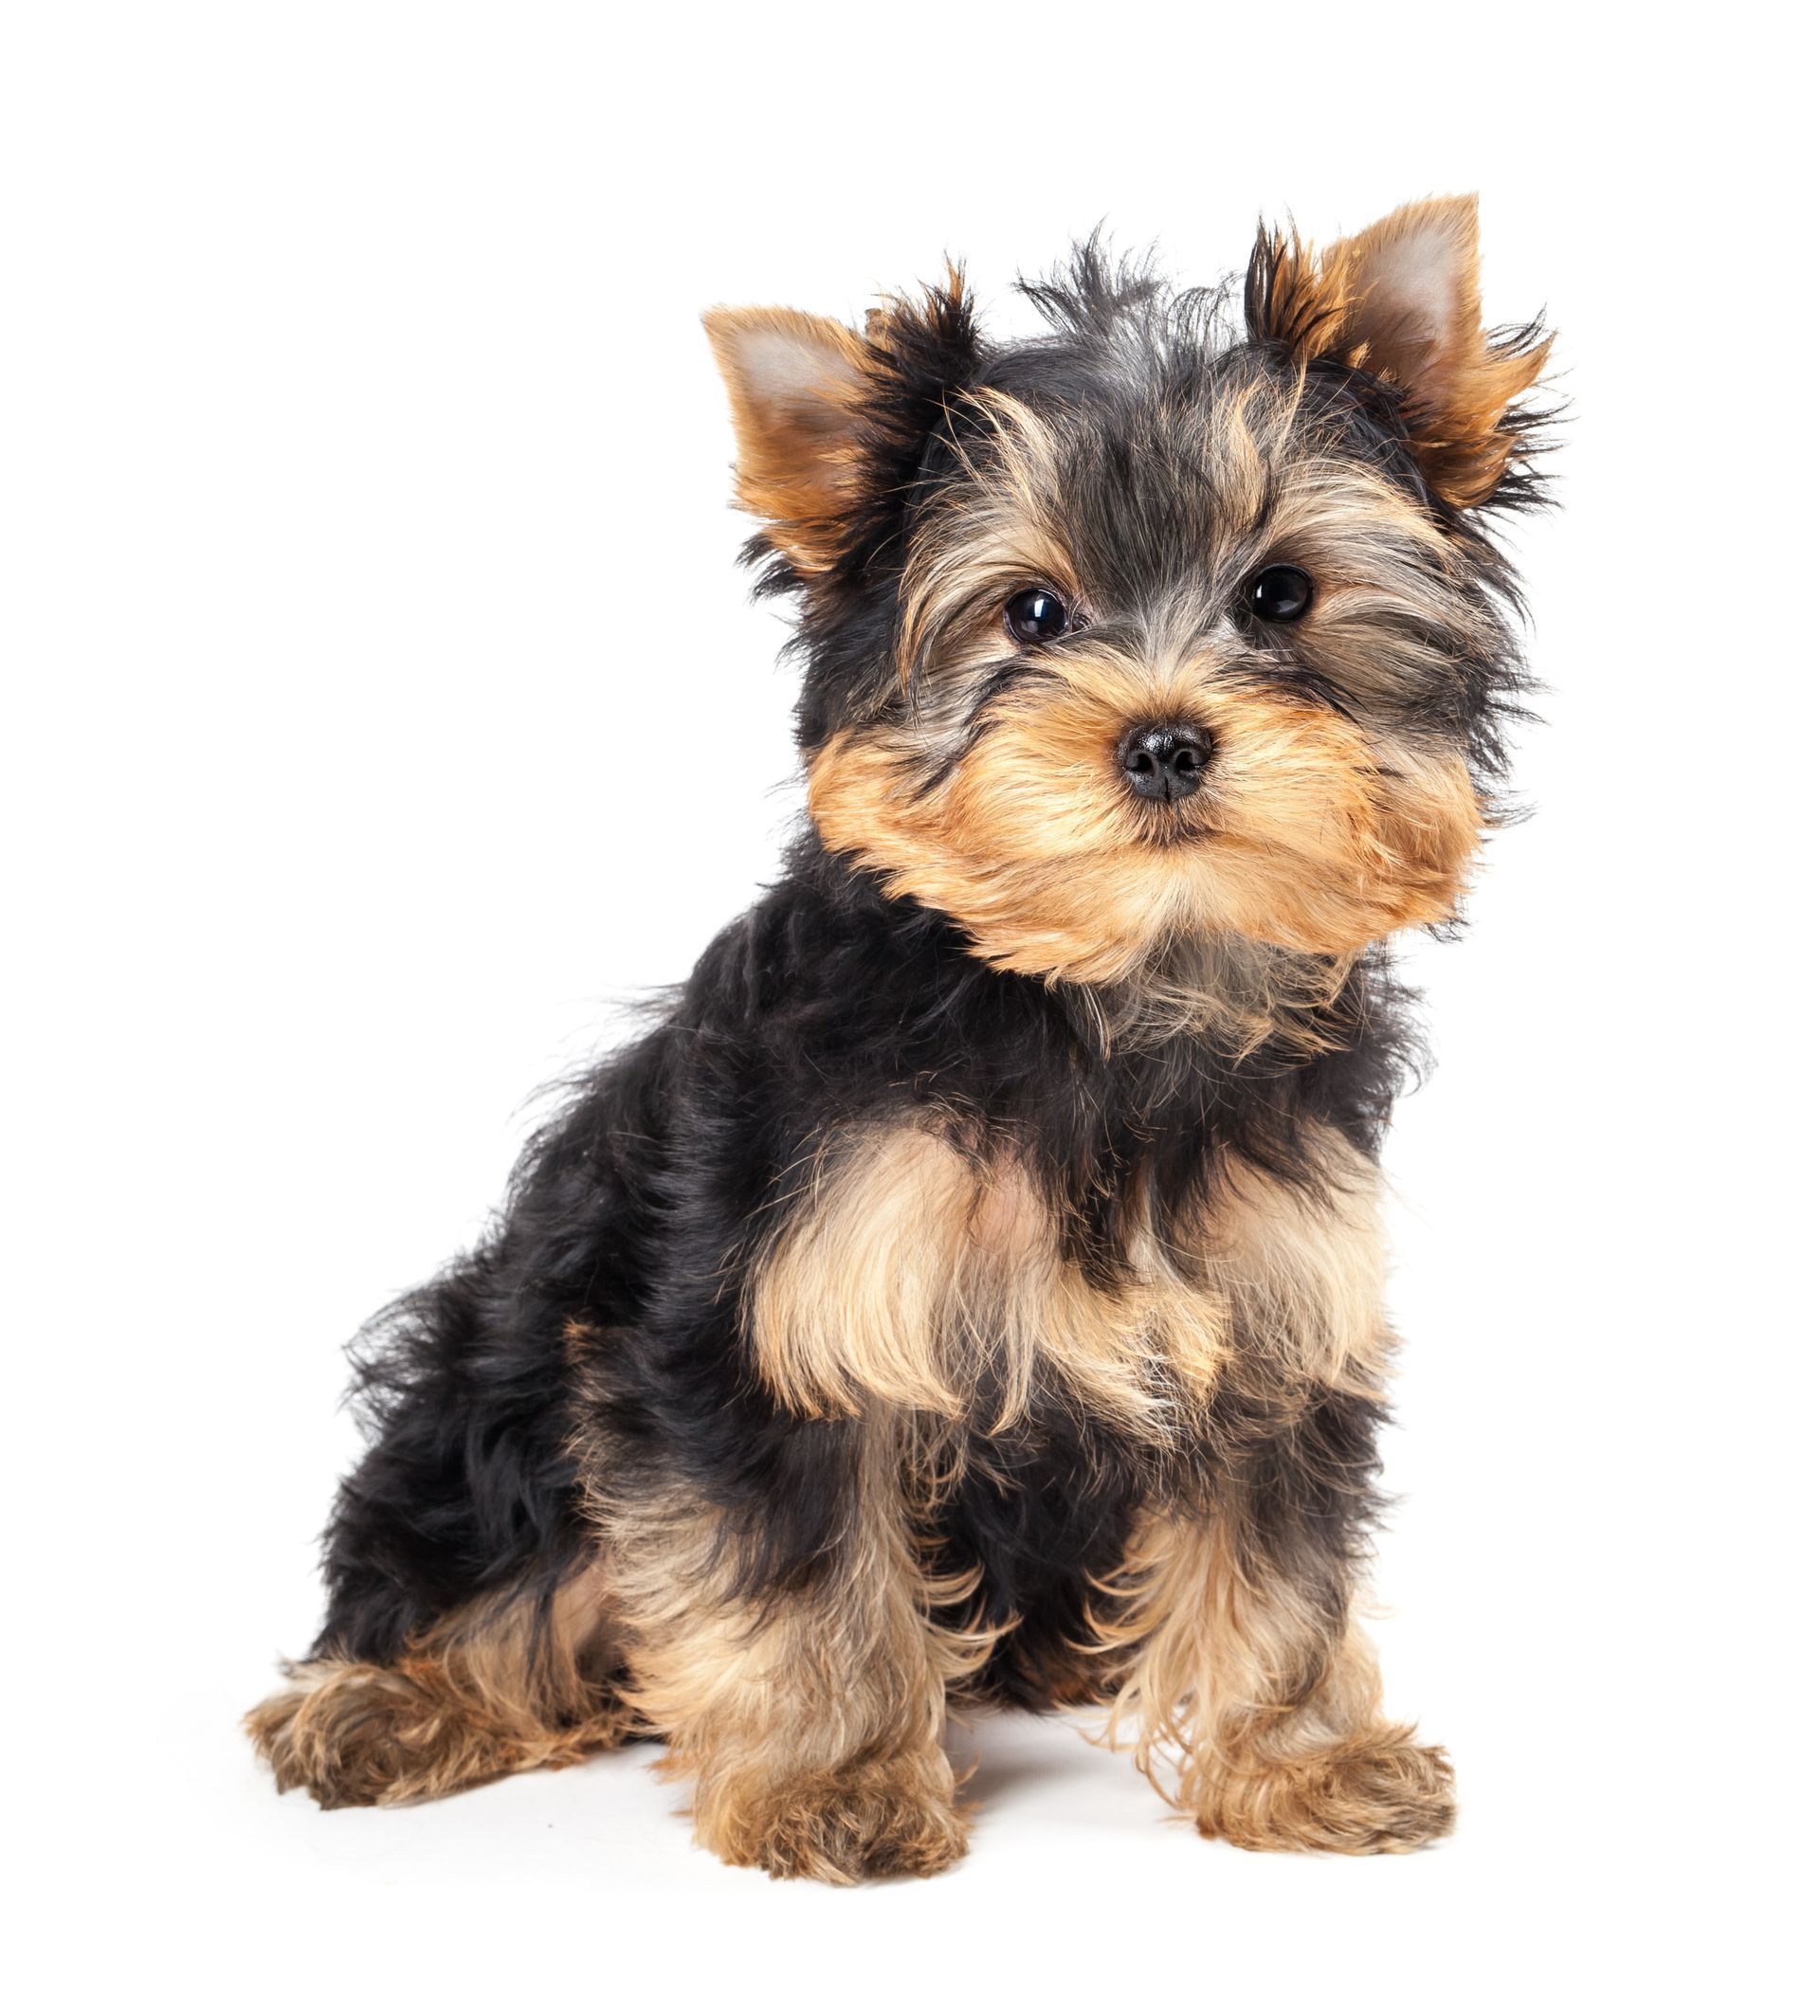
x=1164, y=761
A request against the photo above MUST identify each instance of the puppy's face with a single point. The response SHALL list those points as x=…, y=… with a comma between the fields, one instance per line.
x=1149, y=633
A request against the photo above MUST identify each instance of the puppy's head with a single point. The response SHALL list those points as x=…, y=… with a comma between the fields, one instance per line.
x=1156, y=631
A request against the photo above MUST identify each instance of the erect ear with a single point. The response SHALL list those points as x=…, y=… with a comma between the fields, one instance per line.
x=794, y=382
x=831, y=425
x=1401, y=301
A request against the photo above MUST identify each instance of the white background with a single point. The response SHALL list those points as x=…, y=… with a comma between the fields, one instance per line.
x=365, y=545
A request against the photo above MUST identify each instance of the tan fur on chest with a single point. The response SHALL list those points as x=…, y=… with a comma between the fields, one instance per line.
x=914, y=1274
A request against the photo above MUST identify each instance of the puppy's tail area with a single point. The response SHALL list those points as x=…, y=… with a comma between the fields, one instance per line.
x=501, y=1686
x=466, y=1494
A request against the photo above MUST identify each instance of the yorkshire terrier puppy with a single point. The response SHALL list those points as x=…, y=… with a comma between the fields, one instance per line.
x=970, y=1289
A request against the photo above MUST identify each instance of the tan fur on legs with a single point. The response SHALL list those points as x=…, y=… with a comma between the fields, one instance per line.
x=483, y=1694
x=810, y=1723
x=1268, y=1701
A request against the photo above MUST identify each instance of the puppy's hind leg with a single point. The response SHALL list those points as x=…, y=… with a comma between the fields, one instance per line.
x=464, y=1636
x=503, y=1685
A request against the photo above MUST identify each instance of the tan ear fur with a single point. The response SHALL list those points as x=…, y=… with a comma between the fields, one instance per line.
x=794, y=382
x=1400, y=300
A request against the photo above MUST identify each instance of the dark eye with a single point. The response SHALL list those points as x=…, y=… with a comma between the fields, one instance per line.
x=1279, y=594
x=1036, y=615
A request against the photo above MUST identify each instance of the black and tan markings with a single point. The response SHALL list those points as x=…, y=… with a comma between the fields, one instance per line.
x=969, y=1288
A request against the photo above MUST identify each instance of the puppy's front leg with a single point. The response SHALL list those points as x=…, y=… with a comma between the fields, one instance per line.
x=810, y=1715
x=1245, y=1661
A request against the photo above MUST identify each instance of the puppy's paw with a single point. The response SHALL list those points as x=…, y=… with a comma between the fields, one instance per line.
x=355, y=1735
x=1376, y=1793
x=842, y=1826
